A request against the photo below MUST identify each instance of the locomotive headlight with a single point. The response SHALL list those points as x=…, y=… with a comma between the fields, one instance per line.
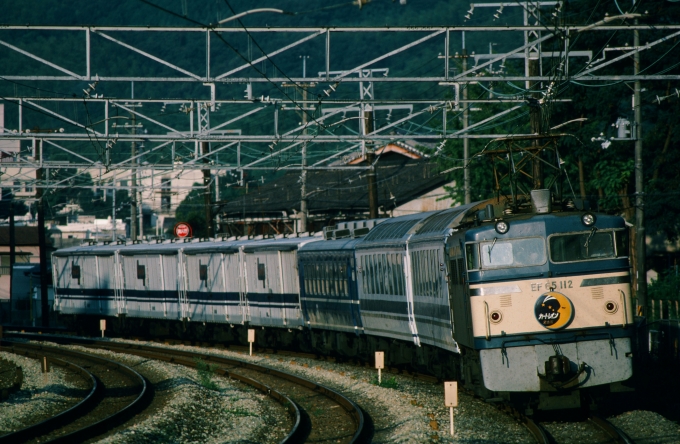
x=495, y=316
x=611, y=307
x=588, y=219
x=502, y=227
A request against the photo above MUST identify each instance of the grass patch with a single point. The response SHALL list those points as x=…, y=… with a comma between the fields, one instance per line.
x=206, y=372
x=386, y=382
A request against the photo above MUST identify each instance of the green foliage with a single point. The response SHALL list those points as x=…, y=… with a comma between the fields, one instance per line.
x=206, y=372
x=192, y=211
x=665, y=287
x=386, y=382
x=19, y=207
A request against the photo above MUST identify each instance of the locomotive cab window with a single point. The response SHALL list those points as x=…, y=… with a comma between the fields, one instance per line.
x=588, y=245
x=506, y=253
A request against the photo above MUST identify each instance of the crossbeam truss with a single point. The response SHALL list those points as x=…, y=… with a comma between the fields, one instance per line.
x=253, y=133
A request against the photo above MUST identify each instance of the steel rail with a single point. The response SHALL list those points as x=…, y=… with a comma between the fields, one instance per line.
x=69, y=415
x=610, y=429
x=186, y=358
x=97, y=428
x=350, y=407
x=294, y=435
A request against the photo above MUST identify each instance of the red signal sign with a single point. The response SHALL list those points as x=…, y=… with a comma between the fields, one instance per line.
x=182, y=229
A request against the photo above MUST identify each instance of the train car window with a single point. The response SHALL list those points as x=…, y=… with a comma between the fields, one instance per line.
x=394, y=283
x=305, y=280
x=261, y=272
x=512, y=253
x=203, y=272
x=318, y=274
x=400, y=275
x=75, y=271
x=430, y=274
x=362, y=266
x=584, y=246
x=382, y=276
x=372, y=275
x=141, y=271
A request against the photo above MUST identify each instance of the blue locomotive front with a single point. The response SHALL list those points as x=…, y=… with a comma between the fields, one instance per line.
x=550, y=303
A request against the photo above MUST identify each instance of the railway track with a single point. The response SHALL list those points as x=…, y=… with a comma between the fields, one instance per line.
x=115, y=393
x=594, y=430
x=318, y=413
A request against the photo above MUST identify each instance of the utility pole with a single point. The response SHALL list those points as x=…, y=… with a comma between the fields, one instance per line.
x=133, y=181
x=205, y=150
x=42, y=243
x=640, y=238
x=12, y=252
x=466, y=141
x=536, y=117
x=135, y=212
x=113, y=210
x=370, y=159
x=304, y=212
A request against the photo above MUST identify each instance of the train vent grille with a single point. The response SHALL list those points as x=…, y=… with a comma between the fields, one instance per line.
x=506, y=300
x=597, y=292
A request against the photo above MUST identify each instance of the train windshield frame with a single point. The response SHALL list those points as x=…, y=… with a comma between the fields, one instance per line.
x=588, y=245
x=506, y=253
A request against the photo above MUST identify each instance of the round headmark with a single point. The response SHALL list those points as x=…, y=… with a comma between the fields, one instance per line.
x=182, y=229
x=554, y=310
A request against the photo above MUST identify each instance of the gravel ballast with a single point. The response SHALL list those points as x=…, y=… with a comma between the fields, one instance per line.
x=41, y=394
x=403, y=410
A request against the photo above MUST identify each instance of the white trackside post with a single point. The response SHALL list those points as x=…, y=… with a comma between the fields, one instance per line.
x=251, y=339
x=379, y=364
x=451, y=398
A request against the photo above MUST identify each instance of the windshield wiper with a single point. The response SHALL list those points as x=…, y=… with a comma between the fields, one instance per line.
x=590, y=236
x=491, y=247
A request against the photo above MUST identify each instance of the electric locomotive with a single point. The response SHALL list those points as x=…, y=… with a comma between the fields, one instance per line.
x=549, y=301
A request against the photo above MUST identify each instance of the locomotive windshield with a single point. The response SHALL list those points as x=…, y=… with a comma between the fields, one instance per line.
x=506, y=253
x=588, y=245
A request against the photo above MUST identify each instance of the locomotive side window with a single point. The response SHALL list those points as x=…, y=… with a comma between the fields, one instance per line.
x=588, y=245
x=621, y=243
x=472, y=255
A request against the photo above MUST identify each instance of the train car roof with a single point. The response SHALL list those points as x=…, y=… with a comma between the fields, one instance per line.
x=331, y=245
x=285, y=244
x=424, y=225
x=89, y=250
x=394, y=229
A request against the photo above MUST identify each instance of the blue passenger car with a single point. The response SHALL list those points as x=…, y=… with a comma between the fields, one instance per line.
x=328, y=285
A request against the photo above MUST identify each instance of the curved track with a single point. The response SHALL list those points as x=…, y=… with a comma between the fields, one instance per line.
x=318, y=413
x=117, y=393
